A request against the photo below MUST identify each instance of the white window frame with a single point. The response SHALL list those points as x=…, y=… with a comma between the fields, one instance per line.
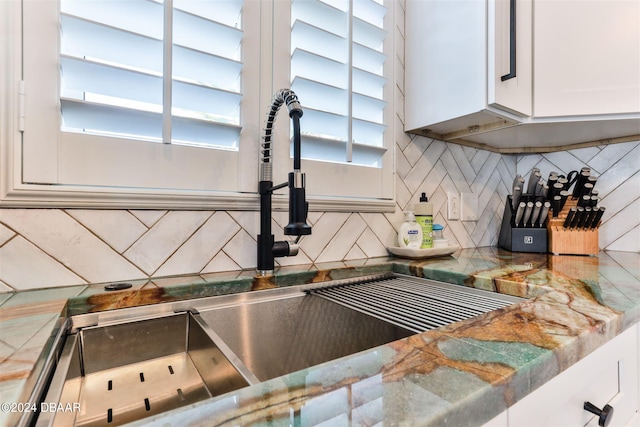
x=266, y=77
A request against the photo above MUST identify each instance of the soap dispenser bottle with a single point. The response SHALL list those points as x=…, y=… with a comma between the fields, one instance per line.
x=410, y=234
x=424, y=217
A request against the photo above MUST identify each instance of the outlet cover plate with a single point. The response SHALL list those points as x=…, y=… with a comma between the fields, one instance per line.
x=468, y=207
x=453, y=206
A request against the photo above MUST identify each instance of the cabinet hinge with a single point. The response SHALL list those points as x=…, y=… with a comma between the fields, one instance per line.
x=21, y=107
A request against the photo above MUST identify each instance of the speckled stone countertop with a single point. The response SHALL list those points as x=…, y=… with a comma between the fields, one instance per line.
x=463, y=374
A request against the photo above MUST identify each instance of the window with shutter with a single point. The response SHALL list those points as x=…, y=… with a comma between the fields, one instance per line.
x=171, y=77
x=140, y=96
x=160, y=104
x=337, y=68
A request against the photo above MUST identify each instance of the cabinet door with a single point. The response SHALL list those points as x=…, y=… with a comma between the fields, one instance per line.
x=608, y=375
x=511, y=92
x=587, y=57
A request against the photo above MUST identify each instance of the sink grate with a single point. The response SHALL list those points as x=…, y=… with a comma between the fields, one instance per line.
x=120, y=395
x=413, y=303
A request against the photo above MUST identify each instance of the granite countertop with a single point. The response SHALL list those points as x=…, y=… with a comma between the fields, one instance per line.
x=462, y=374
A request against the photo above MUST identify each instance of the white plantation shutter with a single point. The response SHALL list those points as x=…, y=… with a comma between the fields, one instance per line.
x=161, y=103
x=128, y=66
x=337, y=64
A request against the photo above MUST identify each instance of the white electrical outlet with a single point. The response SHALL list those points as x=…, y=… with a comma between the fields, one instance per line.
x=453, y=206
x=468, y=207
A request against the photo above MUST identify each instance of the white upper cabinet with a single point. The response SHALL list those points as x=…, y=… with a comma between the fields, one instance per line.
x=523, y=75
x=587, y=57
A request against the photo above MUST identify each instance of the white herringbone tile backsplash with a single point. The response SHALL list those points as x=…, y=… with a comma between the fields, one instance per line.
x=61, y=247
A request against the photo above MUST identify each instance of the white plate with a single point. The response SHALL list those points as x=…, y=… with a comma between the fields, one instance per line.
x=422, y=253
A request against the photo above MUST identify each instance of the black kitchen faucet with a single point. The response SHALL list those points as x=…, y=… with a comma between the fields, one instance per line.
x=268, y=249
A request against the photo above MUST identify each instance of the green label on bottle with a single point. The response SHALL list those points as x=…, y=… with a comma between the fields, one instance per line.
x=426, y=223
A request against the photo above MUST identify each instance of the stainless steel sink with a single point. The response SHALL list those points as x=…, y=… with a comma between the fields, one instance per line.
x=277, y=337
x=128, y=364
x=120, y=372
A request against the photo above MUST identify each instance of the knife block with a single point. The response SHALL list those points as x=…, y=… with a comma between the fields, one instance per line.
x=564, y=241
x=520, y=239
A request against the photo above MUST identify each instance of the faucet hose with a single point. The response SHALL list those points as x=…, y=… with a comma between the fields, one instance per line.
x=288, y=97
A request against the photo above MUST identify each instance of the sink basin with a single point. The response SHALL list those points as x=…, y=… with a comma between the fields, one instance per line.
x=274, y=338
x=118, y=373
x=128, y=364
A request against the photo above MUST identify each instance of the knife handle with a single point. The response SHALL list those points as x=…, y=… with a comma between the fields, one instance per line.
x=557, y=200
x=564, y=194
x=533, y=180
x=585, y=216
x=527, y=213
x=536, y=213
x=545, y=191
x=544, y=213
x=555, y=190
x=590, y=214
x=580, y=181
x=519, y=213
x=577, y=217
x=584, y=201
x=518, y=182
x=570, y=215
x=515, y=200
x=595, y=223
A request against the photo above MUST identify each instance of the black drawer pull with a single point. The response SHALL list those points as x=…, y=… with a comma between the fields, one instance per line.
x=605, y=413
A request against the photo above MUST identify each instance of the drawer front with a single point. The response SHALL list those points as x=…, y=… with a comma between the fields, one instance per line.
x=609, y=375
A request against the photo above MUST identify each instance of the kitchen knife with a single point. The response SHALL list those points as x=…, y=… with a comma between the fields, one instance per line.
x=515, y=200
x=533, y=180
x=570, y=215
x=556, y=205
x=564, y=182
x=577, y=217
x=555, y=190
x=545, y=191
x=539, y=186
x=536, y=213
x=544, y=213
x=518, y=182
x=553, y=178
x=592, y=180
x=527, y=213
x=590, y=214
x=595, y=223
x=585, y=215
x=520, y=213
x=594, y=201
x=586, y=189
x=584, y=201
x=564, y=194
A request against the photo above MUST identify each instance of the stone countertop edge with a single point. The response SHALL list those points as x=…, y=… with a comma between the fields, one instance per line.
x=462, y=374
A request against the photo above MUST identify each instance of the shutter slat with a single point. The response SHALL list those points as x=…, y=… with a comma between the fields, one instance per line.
x=104, y=43
x=314, y=39
x=133, y=123
x=320, y=96
x=83, y=76
x=319, y=68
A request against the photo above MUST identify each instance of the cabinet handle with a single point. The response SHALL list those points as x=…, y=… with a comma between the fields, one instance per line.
x=604, y=414
x=512, y=42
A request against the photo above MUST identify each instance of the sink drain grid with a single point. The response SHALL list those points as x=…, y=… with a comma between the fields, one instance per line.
x=413, y=303
x=120, y=395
